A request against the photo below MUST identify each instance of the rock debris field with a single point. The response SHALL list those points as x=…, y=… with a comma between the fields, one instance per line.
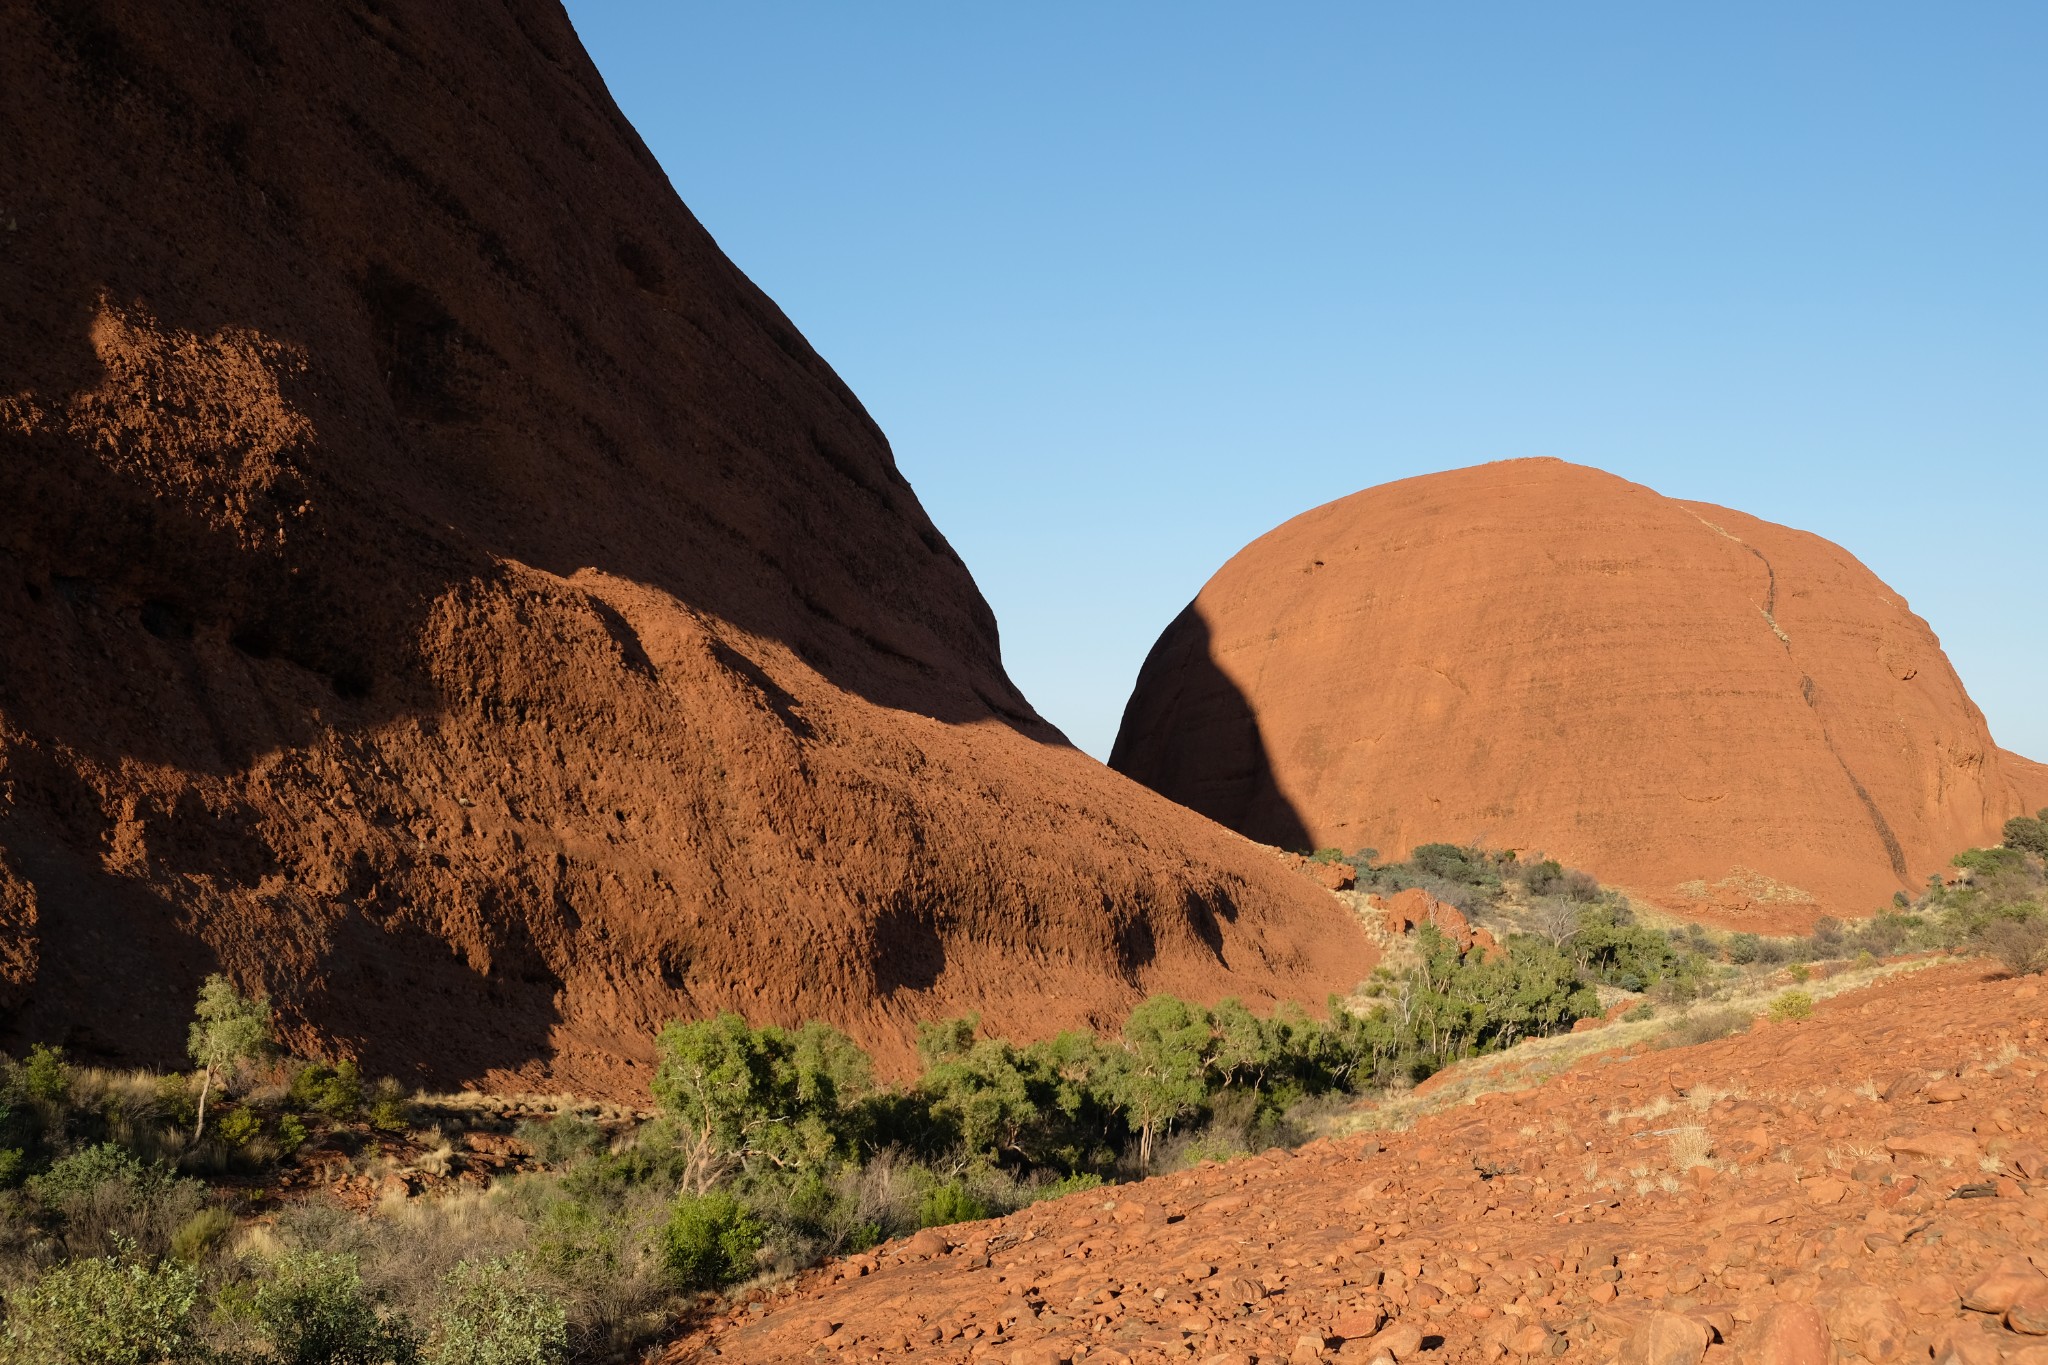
x=1871, y=1182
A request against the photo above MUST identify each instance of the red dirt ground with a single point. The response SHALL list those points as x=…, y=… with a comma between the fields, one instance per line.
x=1875, y=1186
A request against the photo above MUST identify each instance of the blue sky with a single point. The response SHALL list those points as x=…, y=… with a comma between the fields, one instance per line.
x=1130, y=284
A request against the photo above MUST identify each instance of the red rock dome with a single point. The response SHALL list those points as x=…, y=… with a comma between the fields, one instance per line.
x=436, y=585
x=1731, y=719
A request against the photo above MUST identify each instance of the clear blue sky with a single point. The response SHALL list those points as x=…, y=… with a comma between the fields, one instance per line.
x=1130, y=284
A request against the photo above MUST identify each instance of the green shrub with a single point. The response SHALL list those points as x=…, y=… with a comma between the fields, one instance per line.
x=1800, y=972
x=109, y=1310
x=13, y=1162
x=200, y=1234
x=710, y=1240
x=1453, y=863
x=87, y=1171
x=313, y=1310
x=2029, y=833
x=1990, y=861
x=1744, y=949
x=495, y=1317
x=291, y=1133
x=951, y=1202
x=336, y=1091
x=389, y=1110
x=1791, y=1005
x=44, y=1076
x=562, y=1140
x=238, y=1126
x=175, y=1100
x=1641, y=1012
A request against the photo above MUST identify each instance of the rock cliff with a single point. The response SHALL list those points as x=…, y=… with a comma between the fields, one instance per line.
x=437, y=586
x=1734, y=720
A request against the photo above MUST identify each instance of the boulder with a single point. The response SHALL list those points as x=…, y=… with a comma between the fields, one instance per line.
x=1734, y=720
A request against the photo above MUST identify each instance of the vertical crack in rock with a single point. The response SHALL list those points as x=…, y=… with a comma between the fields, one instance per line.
x=1811, y=695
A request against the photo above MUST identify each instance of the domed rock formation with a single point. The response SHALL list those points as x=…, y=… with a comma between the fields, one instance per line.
x=1731, y=719
x=436, y=585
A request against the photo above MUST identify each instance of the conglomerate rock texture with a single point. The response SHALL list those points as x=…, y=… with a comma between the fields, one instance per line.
x=437, y=586
x=1867, y=1184
x=1731, y=719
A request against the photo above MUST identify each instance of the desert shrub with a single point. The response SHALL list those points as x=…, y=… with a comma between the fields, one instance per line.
x=2028, y=832
x=710, y=1240
x=1800, y=972
x=2020, y=943
x=105, y=1197
x=1552, y=878
x=562, y=1140
x=238, y=1126
x=1454, y=864
x=291, y=1133
x=43, y=1075
x=1744, y=949
x=1791, y=1005
x=951, y=1202
x=495, y=1316
x=389, y=1110
x=335, y=1090
x=1990, y=861
x=198, y=1235
x=312, y=1309
x=1704, y=1026
x=175, y=1100
x=106, y=1310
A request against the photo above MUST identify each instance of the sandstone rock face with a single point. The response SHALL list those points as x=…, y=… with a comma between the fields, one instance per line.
x=1731, y=719
x=436, y=585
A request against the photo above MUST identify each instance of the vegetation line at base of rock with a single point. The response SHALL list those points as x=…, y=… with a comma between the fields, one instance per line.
x=129, y=1230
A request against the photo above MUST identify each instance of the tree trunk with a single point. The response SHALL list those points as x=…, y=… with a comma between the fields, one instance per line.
x=1145, y=1147
x=204, y=1089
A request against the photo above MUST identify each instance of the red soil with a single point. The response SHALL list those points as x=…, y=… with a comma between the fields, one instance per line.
x=1733, y=720
x=438, y=586
x=1875, y=1187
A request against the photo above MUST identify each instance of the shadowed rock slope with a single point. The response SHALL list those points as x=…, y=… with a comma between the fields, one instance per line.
x=1732, y=719
x=437, y=585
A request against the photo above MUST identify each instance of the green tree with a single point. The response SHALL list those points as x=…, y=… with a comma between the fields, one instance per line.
x=228, y=1029
x=748, y=1096
x=1168, y=1042
x=982, y=1091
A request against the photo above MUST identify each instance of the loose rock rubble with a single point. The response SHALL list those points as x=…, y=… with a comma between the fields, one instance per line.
x=1871, y=1183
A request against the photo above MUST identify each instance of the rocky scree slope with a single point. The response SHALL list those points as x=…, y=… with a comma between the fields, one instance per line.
x=1870, y=1184
x=437, y=585
x=1732, y=720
